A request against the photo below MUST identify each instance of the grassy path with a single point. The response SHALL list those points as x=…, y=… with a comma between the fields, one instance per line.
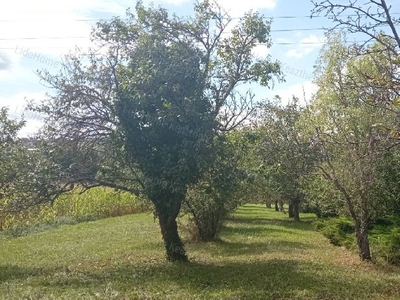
x=261, y=255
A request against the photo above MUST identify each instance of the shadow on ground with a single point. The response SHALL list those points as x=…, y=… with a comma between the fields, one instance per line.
x=272, y=279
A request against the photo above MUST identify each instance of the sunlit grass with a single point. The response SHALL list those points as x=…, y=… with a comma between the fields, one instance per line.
x=261, y=255
x=71, y=208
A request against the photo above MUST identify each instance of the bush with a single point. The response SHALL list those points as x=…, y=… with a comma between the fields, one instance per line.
x=207, y=217
x=337, y=230
x=384, y=235
x=385, y=239
x=211, y=200
x=393, y=255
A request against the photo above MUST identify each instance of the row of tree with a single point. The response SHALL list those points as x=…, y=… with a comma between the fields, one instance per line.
x=161, y=116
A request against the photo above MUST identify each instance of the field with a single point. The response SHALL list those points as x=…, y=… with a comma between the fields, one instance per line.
x=261, y=255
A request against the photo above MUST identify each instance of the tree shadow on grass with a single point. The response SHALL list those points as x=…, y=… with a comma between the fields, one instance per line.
x=10, y=272
x=289, y=224
x=271, y=279
x=250, y=230
x=225, y=248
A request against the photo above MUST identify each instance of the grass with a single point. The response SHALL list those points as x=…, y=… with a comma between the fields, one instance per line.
x=261, y=255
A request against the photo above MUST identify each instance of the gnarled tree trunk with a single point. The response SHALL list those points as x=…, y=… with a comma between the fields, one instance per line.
x=168, y=209
x=291, y=211
x=363, y=242
x=361, y=231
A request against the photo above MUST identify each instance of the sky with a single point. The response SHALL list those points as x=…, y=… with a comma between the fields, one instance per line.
x=35, y=35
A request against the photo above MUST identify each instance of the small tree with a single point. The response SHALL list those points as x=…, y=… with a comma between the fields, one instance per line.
x=217, y=193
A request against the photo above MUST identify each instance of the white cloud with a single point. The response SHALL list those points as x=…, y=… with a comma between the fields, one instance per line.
x=303, y=91
x=261, y=51
x=238, y=8
x=16, y=105
x=51, y=28
x=306, y=46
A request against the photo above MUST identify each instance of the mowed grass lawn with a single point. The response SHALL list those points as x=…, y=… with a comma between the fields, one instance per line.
x=261, y=255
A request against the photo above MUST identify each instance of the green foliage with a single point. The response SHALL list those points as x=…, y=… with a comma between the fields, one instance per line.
x=385, y=239
x=286, y=156
x=337, y=230
x=217, y=194
x=152, y=106
x=342, y=123
x=321, y=197
x=384, y=236
x=26, y=175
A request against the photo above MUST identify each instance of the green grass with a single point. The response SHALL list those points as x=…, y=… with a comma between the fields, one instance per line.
x=261, y=255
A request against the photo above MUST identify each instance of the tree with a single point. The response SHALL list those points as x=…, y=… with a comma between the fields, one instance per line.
x=151, y=108
x=286, y=155
x=345, y=122
x=369, y=18
x=375, y=21
x=26, y=175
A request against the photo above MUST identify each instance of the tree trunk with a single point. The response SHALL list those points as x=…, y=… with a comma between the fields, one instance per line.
x=268, y=204
x=167, y=213
x=291, y=210
x=281, y=206
x=276, y=206
x=296, y=213
x=361, y=230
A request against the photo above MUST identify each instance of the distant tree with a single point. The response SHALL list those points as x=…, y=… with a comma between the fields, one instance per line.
x=286, y=155
x=152, y=105
x=26, y=175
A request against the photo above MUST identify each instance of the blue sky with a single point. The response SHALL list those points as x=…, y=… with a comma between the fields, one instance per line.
x=25, y=46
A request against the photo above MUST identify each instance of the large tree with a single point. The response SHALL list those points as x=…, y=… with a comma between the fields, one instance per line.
x=151, y=105
x=375, y=22
x=349, y=121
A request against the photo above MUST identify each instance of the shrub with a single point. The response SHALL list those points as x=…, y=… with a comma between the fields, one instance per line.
x=337, y=230
x=385, y=239
x=211, y=200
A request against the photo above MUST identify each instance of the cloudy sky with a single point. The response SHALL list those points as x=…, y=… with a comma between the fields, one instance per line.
x=36, y=34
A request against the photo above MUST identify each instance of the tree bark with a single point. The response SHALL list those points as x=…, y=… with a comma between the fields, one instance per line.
x=268, y=204
x=296, y=211
x=361, y=231
x=276, y=206
x=167, y=213
x=291, y=210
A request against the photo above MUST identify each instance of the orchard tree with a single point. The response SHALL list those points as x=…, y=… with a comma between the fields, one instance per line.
x=374, y=19
x=376, y=23
x=152, y=106
x=286, y=155
x=348, y=124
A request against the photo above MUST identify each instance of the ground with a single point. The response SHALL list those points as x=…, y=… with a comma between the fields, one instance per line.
x=261, y=255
